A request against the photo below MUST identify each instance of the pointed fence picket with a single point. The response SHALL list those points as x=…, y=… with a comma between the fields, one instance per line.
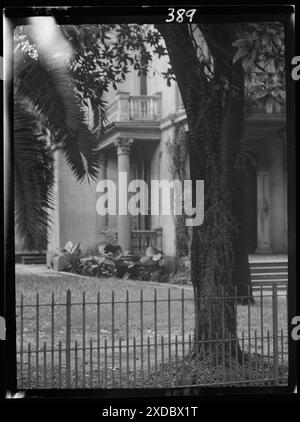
x=160, y=359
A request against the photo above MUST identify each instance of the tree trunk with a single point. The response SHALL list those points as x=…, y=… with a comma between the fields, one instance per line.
x=234, y=136
x=234, y=140
x=215, y=119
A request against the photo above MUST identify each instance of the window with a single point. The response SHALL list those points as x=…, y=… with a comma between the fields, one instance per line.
x=143, y=84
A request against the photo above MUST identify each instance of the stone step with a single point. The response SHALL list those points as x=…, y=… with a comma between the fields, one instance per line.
x=275, y=276
x=269, y=269
x=38, y=259
x=269, y=282
x=266, y=288
x=34, y=262
x=269, y=265
x=266, y=273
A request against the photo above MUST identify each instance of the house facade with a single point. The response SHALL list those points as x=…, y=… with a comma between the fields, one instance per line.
x=142, y=116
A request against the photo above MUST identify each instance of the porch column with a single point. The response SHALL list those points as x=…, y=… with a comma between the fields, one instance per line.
x=124, y=227
x=263, y=211
x=101, y=219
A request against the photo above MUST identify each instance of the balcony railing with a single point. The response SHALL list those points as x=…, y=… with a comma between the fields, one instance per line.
x=142, y=239
x=134, y=108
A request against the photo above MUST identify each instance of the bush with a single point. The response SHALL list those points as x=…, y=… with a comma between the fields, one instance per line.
x=183, y=273
x=159, y=277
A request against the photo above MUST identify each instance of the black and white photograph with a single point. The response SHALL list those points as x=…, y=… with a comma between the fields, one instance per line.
x=149, y=190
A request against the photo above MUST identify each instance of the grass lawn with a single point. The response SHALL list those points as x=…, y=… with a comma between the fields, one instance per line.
x=29, y=286
x=255, y=320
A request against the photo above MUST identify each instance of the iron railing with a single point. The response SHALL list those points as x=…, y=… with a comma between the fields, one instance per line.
x=146, y=342
x=134, y=108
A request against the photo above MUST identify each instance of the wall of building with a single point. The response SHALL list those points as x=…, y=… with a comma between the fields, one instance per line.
x=160, y=170
x=156, y=83
x=278, y=235
x=75, y=215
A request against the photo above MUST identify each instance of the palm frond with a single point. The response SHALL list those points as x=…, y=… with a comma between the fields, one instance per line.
x=33, y=172
x=47, y=88
x=89, y=147
x=99, y=106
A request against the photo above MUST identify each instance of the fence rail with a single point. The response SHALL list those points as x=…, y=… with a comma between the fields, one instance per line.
x=142, y=341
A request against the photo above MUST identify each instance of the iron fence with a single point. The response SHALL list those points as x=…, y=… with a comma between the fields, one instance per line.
x=146, y=342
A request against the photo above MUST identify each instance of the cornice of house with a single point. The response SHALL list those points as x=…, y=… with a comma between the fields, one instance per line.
x=259, y=117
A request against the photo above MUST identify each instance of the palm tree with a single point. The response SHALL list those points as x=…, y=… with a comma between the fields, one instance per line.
x=48, y=114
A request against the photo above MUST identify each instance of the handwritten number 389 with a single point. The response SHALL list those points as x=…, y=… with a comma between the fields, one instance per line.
x=180, y=14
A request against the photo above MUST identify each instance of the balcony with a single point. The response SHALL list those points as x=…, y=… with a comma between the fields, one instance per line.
x=134, y=108
x=141, y=239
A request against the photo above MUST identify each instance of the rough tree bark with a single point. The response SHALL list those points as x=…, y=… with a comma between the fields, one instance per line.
x=215, y=117
x=219, y=39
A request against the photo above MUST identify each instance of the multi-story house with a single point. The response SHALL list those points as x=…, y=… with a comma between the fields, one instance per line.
x=142, y=115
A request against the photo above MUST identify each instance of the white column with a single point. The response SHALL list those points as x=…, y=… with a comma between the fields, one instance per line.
x=124, y=227
x=101, y=221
